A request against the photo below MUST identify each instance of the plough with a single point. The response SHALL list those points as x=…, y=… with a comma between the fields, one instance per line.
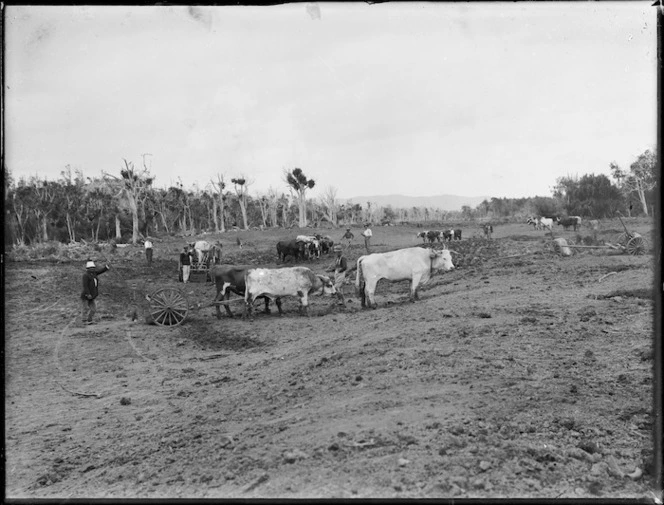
x=632, y=243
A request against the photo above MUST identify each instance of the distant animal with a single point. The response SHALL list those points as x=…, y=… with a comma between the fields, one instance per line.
x=546, y=222
x=457, y=234
x=535, y=222
x=311, y=245
x=423, y=235
x=488, y=230
x=566, y=222
x=433, y=236
x=448, y=235
x=594, y=224
x=238, y=241
x=414, y=263
x=292, y=248
x=326, y=244
x=280, y=282
x=227, y=279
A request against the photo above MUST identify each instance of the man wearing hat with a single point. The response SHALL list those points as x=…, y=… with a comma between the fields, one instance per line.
x=367, y=237
x=348, y=236
x=90, y=290
x=185, y=263
x=340, y=266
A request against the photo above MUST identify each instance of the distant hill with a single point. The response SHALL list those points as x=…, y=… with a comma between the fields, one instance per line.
x=443, y=202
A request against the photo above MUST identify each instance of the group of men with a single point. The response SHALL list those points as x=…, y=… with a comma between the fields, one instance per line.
x=367, y=234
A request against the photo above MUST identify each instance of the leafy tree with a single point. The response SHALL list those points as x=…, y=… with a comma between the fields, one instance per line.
x=588, y=196
x=546, y=206
x=466, y=212
x=299, y=182
x=484, y=207
x=641, y=179
x=389, y=215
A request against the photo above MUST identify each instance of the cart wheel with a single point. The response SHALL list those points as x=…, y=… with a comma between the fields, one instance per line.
x=636, y=245
x=168, y=306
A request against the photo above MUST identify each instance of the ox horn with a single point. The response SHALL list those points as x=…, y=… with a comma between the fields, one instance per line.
x=453, y=252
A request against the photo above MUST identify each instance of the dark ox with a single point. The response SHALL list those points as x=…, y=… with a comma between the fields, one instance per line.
x=433, y=236
x=454, y=234
x=292, y=248
x=227, y=279
x=566, y=222
x=326, y=243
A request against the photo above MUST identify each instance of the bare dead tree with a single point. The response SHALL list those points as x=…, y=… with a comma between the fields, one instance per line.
x=219, y=186
x=241, y=185
x=329, y=204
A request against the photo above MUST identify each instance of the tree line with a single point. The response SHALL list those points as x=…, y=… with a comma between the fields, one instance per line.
x=127, y=206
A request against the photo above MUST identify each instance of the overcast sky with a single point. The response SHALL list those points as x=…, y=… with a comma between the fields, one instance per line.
x=495, y=99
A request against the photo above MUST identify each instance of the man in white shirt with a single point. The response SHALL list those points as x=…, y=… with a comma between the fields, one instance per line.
x=367, y=237
x=148, y=251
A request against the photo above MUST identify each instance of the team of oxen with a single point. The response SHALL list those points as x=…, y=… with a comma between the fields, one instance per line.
x=542, y=223
x=416, y=264
x=304, y=247
x=439, y=236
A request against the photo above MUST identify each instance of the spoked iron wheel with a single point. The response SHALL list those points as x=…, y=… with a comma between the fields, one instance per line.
x=168, y=306
x=636, y=245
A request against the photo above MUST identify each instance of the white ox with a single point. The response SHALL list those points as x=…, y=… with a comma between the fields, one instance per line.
x=277, y=283
x=546, y=222
x=414, y=263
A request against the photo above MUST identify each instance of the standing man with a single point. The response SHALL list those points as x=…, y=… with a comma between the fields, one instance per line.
x=340, y=266
x=348, y=236
x=367, y=237
x=185, y=264
x=90, y=290
x=148, y=251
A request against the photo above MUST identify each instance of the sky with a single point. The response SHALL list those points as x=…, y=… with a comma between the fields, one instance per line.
x=420, y=99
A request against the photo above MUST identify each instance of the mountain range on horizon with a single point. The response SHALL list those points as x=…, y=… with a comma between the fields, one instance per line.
x=442, y=202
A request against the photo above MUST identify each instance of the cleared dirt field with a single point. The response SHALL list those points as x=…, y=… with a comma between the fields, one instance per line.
x=518, y=374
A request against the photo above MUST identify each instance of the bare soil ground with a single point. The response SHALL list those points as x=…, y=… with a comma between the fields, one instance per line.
x=519, y=374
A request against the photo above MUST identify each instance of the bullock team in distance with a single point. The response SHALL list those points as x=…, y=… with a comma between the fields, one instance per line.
x=541, y=223
x=304, y=247
x=439, y=236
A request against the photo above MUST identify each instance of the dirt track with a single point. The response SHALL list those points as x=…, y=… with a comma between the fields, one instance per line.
x=527, y=376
